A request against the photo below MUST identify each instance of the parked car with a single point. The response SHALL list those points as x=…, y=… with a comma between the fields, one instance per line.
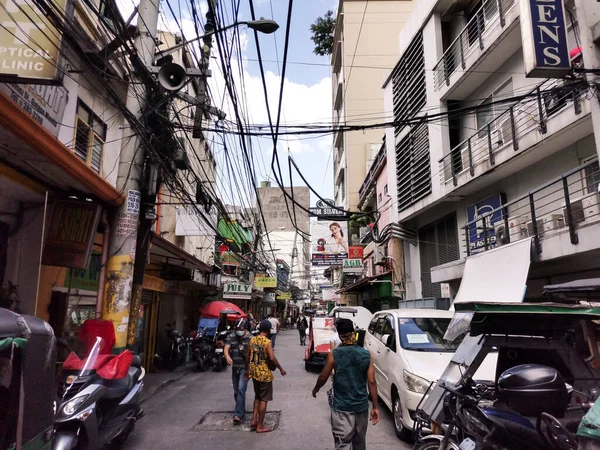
x=409, y=352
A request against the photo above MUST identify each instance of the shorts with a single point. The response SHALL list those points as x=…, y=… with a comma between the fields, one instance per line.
x=263, y=390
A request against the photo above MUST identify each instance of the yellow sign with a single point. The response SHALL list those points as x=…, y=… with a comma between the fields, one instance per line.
x=265, y=282
x=284, y=295
x=154, y=283
x=117, y=294
x=29, y=43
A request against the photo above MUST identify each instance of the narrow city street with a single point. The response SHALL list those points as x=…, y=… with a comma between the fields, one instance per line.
x=174, y=414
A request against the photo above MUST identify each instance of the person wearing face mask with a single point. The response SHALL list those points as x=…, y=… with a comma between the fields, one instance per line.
x=236, y=350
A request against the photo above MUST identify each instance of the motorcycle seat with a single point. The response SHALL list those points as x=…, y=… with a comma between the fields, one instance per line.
x=120, y=387
x=136, y=361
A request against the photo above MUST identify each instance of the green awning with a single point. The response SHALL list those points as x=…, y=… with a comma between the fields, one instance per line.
x=234, y=232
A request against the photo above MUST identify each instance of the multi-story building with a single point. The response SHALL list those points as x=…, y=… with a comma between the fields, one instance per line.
x=365, y=44
x=498, y=158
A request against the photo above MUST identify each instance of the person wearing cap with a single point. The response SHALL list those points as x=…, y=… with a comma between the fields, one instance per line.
x=256, y=368
x=236, y=350
x=354, y=371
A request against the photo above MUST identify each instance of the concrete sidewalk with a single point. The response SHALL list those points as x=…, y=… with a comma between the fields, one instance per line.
x=155, y=382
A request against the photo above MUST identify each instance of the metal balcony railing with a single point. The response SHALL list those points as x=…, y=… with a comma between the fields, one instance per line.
x=563, y=204
x=488, y=17
x=512, y=122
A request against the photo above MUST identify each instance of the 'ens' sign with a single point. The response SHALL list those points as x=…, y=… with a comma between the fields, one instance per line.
x=544, y=34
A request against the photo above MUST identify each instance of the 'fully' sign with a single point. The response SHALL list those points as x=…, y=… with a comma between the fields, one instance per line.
x=544, y=34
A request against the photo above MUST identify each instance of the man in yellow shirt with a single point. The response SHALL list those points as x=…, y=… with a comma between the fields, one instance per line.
x=261, y=350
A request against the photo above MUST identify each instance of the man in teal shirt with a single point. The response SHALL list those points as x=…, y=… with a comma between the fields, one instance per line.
x=354, y=374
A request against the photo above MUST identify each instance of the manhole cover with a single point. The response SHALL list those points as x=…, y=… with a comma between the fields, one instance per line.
x=223, y=421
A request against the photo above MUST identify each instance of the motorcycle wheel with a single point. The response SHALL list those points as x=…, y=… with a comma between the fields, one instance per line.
x=200, y=364
x=427, y=445
x=121, y=438
x=220, y=365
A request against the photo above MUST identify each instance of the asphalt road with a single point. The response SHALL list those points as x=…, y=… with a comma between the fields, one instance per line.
x=185, y=415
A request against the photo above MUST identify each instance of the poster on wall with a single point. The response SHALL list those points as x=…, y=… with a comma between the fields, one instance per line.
x=482, y=211
x=329, y=242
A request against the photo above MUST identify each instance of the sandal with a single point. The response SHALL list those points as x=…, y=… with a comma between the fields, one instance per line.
x=237, y=420
x=265, y=430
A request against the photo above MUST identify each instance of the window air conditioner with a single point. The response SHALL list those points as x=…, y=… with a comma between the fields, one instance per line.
x=540, y=228
x=577, y=213
x=553, y=222
x=591, y=207
x=517, y=228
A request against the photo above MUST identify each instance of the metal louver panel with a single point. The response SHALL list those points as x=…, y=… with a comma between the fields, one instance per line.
x=438, y=244
x=408, y=82
x=413, y=170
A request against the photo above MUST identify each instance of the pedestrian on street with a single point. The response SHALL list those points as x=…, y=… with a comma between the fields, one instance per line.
x=236, y=350
x=275, y=325
x=302, y=326
x=251, y=322
x=353, y=372
x=256, y=368
x=289, y=322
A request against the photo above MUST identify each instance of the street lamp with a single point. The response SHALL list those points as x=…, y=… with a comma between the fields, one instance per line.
x=265, y=26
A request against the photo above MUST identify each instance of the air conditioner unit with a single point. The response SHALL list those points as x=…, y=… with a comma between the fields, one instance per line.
x=540, y=228
x=517, y=228
x=553, y=222
x=591, y=207
x=501, y=234
x=577, y=212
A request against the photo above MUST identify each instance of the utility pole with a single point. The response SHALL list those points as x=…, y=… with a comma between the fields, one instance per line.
x=125, y=223
x=588, y=19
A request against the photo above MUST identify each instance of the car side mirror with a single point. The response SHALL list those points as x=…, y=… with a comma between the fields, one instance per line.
x=388, y=340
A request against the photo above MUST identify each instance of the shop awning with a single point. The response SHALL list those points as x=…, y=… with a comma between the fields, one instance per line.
x=177, y=256
x=31, y=149
x=496, y=276
x=367, y=283
x=234, y=232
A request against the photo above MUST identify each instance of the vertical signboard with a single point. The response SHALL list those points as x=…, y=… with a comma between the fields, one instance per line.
x=482, y=210
x=29, y=43
x=544, y=35
x=329, y=242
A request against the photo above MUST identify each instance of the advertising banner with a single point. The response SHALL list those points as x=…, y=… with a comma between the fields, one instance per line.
x=71, y=229
x=353, y=266
x=356, y=252
x=329, y=295
x=29, y=43
x=329, y=242
x=238, y=291
x=482, y=210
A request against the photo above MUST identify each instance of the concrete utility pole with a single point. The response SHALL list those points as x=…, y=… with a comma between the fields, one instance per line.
x=125, y=223
x=588, y=19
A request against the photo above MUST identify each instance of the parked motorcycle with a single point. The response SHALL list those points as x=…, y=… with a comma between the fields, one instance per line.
x=98, y=400
x=177, y=348
x=530, y=391
x=203, y=350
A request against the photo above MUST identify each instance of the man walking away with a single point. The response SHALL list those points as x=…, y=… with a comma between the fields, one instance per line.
x=275, y=325
x=236, y=350
x=302, y=327
x=262, y=377
x=353, y=371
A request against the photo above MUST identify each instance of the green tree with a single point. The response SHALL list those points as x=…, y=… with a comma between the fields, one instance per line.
x=322, y=34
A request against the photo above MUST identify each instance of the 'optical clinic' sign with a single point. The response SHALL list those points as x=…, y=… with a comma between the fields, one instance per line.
x=544, y=34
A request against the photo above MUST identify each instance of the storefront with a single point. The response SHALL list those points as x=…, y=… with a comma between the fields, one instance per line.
x=374, y=293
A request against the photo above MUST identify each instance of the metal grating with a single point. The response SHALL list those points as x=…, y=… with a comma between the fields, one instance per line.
x=408, y=82
x=413, y=169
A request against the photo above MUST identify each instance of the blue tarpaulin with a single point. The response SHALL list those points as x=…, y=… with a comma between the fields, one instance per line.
x=210, y=325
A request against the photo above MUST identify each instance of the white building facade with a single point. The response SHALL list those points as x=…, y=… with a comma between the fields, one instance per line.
x=499, y=159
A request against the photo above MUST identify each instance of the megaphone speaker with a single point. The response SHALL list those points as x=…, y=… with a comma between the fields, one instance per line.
x=172, y=76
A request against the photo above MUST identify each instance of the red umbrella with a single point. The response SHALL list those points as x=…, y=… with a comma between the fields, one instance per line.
x=213, y=310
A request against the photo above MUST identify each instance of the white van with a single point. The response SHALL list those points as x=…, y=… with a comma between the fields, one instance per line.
x=409, y=352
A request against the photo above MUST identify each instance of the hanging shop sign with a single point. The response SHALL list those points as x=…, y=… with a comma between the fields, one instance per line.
x=44, y=103
x=71, y=229
x=155, y=284
x=326, y=209
x=482, y=211
x=353, y=266
x=269, y=298
x=330, y=295
x=29, y=43
x=544, y=35
x=86, y=279
x=265, y=282
x=238, y=291
x=284, y=295
x=356, y=252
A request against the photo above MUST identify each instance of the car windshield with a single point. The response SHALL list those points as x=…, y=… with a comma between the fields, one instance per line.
x=426, y=334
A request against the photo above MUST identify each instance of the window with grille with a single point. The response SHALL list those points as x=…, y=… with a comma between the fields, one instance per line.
x=438, y=244
x=90, y=135
x=408, y=82
x=413, y=170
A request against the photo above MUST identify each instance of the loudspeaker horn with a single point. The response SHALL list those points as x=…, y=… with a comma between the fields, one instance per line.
x=172, y=76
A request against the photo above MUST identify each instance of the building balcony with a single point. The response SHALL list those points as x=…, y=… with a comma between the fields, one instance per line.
x=371, y=179
x=491, y=25
x=338, y=95
x=547, y=112
x=339, y=161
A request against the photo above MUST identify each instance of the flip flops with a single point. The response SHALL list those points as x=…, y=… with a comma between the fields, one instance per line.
x=237, y=421
x=265, y=430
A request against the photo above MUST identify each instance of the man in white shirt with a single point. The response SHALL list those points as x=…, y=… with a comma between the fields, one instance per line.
x=274, y=329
